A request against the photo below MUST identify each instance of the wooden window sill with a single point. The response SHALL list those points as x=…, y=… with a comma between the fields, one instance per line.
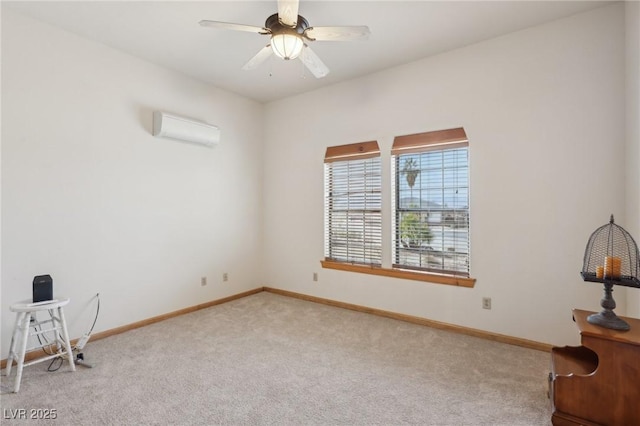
x=401, y=273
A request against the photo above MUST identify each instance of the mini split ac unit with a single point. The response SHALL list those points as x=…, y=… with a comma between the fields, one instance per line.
x=184, y=129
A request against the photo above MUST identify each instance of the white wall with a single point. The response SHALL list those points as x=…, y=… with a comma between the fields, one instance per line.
x=89, y=196
x=92, y=198
x=544, y=111
x=632, y=190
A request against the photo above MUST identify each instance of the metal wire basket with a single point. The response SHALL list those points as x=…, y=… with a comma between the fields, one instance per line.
x=611, y=257
x=612, y=242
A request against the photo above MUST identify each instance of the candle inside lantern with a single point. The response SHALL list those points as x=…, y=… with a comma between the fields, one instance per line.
x=599, y=272
x=612, y=267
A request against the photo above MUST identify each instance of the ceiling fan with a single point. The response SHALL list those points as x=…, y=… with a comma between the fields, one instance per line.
x=290, y=34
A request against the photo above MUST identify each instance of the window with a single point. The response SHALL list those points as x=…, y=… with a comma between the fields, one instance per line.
x=353, y=204
x=429, y=214
x=430, y=173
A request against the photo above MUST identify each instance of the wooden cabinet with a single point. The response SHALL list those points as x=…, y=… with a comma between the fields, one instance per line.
x=597, y=383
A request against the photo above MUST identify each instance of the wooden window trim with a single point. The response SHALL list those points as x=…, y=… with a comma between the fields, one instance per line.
x=354, y=151
x=420, y=142
x=406, y=274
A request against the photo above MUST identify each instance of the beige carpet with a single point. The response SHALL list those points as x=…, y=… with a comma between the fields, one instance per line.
x=269, y=359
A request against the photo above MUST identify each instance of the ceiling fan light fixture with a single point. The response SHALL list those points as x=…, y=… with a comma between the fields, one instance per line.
x=286, y=45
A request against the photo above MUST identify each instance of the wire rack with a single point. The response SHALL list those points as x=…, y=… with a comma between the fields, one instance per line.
x=612, y=255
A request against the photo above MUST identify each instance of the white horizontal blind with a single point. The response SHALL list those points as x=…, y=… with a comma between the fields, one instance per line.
x=353, y=203
x=431, y=207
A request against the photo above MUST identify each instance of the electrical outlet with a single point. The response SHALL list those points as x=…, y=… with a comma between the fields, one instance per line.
x=203, y=281
x=225, y=277
x=486, y=303
x=315, y=276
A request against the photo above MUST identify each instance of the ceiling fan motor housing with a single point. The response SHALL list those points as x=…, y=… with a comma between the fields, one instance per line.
x=273, y=23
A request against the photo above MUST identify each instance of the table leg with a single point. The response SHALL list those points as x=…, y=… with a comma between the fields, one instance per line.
x=24, y=332
x=65, y=336
x=15, y=338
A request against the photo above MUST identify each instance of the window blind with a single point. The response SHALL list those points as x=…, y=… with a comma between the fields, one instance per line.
x=430, y=173
x=353, y=204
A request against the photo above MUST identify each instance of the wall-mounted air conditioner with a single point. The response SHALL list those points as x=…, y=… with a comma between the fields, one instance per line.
x=184, y=129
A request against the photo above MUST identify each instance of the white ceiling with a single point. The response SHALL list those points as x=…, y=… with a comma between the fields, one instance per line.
x=168, y=34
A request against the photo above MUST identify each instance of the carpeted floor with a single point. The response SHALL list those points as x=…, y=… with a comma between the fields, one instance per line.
x=269, y=359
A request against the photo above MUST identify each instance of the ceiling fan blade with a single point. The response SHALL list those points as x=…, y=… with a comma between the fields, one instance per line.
x=337, y=33
x=260, y=57
x=235, y=27
x=288, y=12
x=313, y=63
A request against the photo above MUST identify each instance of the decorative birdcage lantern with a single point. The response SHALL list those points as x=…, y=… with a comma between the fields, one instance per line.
x=611, y=257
